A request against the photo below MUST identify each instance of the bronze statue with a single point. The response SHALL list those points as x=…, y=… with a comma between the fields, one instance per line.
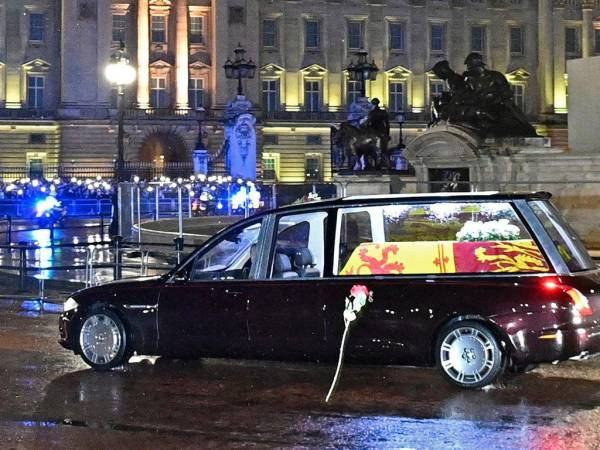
x=365, y=146
x=480, y=100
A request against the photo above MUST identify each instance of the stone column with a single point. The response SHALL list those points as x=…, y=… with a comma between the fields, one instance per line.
x=560, y=67
x=182, y=52
x=587, y=31
x=545, y=46
x=143, y=55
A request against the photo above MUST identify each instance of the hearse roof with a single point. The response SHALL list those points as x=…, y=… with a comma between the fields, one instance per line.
x=379, y=198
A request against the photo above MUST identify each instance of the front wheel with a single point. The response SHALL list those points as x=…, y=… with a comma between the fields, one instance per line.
x=468, y=355
x=103, y=342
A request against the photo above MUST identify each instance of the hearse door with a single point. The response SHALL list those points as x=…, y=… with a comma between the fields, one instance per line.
x=286, y=317
x=203, y=308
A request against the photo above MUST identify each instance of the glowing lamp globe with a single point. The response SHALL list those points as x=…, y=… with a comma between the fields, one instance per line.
x=120, y=72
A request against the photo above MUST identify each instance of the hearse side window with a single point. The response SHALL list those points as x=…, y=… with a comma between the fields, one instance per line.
x=568, y=244
x=437, y=238
x=300, y=246
x=231, y=258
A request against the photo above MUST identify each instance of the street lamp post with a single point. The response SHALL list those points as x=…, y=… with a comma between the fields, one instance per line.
x=362, y=71
x=120, y=73
x=239, y=68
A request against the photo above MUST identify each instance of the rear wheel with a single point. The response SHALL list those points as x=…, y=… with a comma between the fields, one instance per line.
x=468, y=355
x=103, y=342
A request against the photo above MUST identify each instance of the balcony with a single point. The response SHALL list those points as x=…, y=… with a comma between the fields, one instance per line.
x=332, y=117
x=27, y=113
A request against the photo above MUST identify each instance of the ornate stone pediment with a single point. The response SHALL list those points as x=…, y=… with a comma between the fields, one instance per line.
x=160, y=6
x=37, y=65
x=271, y=70
x=314, y=70
x=161, y=64
x=398, y=73
x=519, y=74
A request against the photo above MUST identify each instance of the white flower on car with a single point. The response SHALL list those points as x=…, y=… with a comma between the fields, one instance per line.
x=493, y=230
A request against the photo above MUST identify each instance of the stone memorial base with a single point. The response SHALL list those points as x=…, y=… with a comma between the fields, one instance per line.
x=362, y=184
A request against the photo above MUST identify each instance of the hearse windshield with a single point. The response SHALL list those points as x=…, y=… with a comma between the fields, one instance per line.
x=570, y=247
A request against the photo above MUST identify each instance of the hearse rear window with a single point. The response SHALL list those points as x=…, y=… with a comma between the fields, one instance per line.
x=435, y=238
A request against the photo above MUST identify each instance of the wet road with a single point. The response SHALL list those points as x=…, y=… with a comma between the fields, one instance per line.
x=49, y=399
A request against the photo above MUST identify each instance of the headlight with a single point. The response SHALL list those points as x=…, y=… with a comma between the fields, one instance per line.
x=70, y=304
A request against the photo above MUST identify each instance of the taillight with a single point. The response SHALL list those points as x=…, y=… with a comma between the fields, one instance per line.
x=580, y=301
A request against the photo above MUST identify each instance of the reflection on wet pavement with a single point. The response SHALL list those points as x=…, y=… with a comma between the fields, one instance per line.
x=51, y=400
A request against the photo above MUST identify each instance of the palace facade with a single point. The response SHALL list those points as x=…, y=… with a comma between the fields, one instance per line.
x=56, y=107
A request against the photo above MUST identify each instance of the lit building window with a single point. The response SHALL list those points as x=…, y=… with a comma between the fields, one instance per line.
x=517, y=46
x=269, y=166
x=572, y=42
x=270, y=95
x=396, y=31
x=313, y=34
x=355, y=35
x=119, y=26
x=196, y=92
x=196, y=30
x=353, y=92
x=437, y=37
x=159, y=29
x=313, y=170
x=37, y=25
x=478, y=39
x=518, y=91
x=396, y=96
x=312, y=96
x=436, y=87
x=35, y=92
x=158, y=92
x=269, y=33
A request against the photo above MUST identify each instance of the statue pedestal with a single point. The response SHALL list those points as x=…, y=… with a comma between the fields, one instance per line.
x=362, y=184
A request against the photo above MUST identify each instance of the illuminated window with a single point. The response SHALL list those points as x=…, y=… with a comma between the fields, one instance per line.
x=396, y=96
x=158, y=92
x=159, y=29
x=37, y=25
x=436, y=87
x=312, y=95
x=518, y=91
x=196, y=92
x=270, y=95
x=437, y=37
x=572, y=42
x=353, y=92
x=516, y=41
x=313, y=34
x=269, y=166
x=313, y=170
x=396, y=32
x=196, y=30
x=35, y=92
x=355, y=35
x=478, y=38
x=269, y=33
x=119, y=27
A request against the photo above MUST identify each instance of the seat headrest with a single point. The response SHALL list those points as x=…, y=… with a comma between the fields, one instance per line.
x=303, y=257
x=281, y=263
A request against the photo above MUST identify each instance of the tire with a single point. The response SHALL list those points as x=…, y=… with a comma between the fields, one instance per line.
x=102, y=340
x=469, y=355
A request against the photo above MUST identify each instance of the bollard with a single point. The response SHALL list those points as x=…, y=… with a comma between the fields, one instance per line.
x=178, y=247
x=118, y=260
x=9, y=230
x=22, y=264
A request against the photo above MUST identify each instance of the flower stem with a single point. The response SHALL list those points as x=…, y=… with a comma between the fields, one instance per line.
x=339, y=364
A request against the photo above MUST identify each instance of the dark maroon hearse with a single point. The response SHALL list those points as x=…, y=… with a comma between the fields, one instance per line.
x=473, y=283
